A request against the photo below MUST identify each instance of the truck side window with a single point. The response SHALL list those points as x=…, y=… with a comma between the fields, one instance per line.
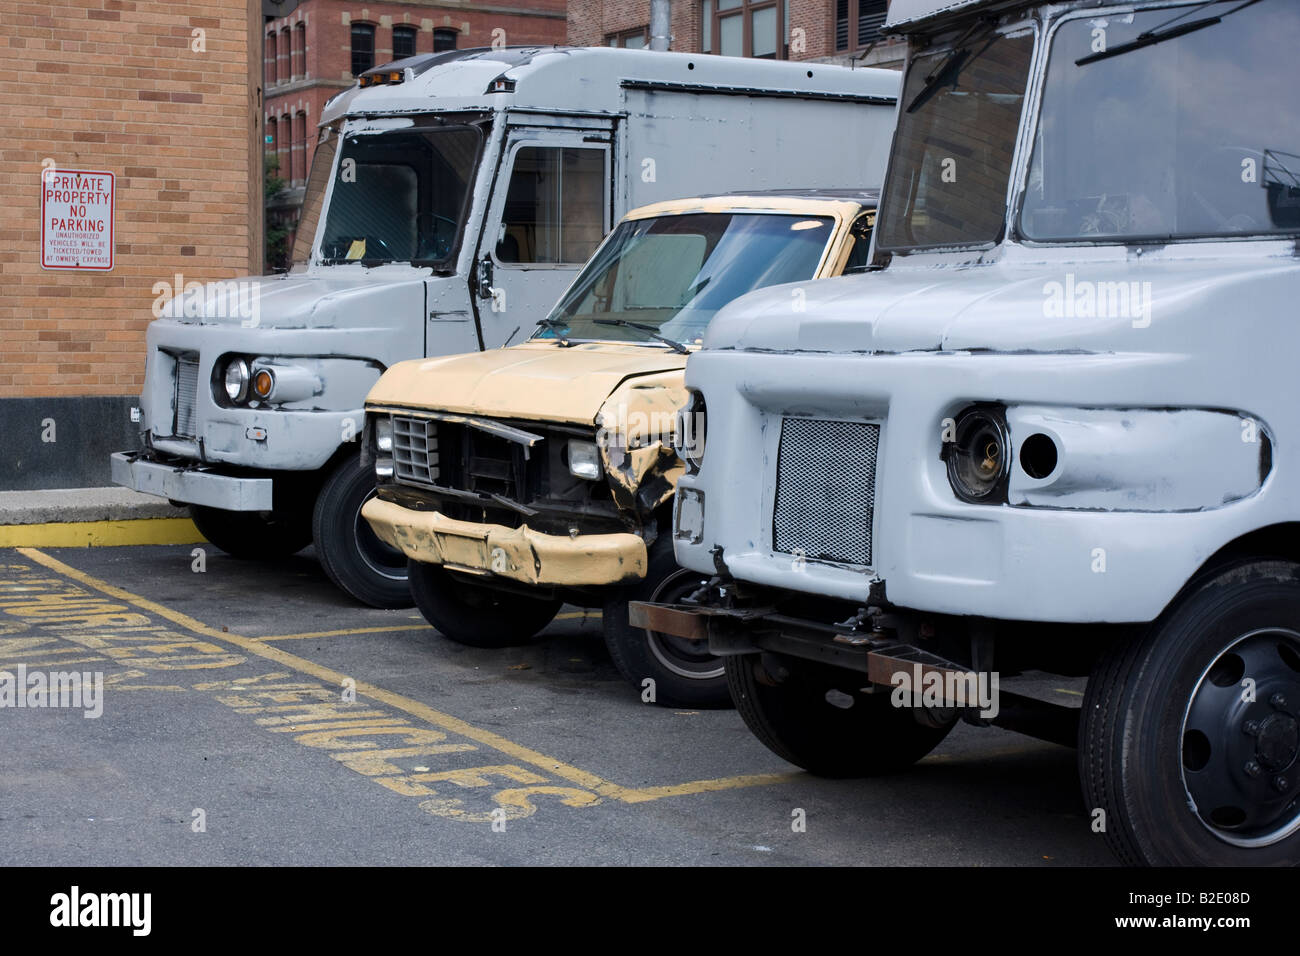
x=555, y=206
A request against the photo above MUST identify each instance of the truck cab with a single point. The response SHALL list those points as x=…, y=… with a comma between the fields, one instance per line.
x=1052, y=430
x=519, y=478
x=453, y=198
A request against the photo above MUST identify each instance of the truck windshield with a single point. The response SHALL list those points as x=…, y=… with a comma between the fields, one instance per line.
x=674, y=273
x=399, y=195
x=1184, y=138
x=951, y=159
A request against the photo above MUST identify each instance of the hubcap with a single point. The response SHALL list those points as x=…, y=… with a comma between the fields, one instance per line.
x=382, y=559
x=1241, y=740
x=690, y=659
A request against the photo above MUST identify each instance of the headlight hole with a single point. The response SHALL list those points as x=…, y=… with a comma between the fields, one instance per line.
x=1038, y=456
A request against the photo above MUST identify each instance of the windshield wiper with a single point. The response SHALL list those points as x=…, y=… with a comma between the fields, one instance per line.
x=1164, y=32
x=958, y=58
x=649, y=330
x=559, y=327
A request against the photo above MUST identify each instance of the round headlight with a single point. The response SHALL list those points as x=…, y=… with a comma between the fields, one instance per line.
x=978, y=457
x=237, y=380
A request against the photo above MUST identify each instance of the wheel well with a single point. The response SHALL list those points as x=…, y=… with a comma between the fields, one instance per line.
x=1278, y=541
x=1274, y=541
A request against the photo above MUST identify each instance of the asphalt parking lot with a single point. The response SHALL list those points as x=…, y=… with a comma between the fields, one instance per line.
x=229, y=735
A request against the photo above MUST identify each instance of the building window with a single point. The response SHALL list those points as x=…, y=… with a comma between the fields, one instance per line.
x=756, y=28
x=300, y=148
x=300, y=49
x=285, y=56
x=269, y=59
x=363, y=48
x=630, y=39
x=272, y=130
x=858, y=23
x=555, y=207
x=284, y=147
x=403, y=42
x=444, y=40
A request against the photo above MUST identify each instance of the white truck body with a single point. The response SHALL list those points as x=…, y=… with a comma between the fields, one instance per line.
x=549, y=147
x=1054, y=430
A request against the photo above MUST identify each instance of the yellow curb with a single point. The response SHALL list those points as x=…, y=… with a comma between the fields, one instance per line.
x=100, y=534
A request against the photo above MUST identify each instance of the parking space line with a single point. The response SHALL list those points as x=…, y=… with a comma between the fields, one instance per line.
x=446, y=722
x=343, y=633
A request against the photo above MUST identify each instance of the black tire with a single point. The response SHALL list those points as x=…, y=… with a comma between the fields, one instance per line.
x=473, y=615
x=784, y=702
x=1185, y=767
x=253, y=534
x=684, y=673
x=350, y=552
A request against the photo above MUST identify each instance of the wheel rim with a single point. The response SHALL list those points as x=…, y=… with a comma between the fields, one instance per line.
x=1240, y=761
x=377, y=555
x=678, y=655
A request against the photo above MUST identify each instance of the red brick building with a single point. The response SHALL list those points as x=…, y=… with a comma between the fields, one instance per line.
x=157, y=100
x=837, y=31
x=320, y=46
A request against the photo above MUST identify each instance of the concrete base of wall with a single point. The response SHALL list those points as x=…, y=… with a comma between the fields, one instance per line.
x=90, y=517
x=63, y=442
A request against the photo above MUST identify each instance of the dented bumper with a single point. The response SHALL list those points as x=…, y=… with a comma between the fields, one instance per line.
x=516, y=554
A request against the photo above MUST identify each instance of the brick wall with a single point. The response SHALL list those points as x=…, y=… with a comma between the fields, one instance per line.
x=591, y=22
x=116, y=85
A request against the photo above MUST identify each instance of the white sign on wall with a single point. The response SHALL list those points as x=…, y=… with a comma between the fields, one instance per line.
x=77, y=219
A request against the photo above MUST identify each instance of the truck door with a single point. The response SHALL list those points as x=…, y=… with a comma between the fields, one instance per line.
x=550, y=208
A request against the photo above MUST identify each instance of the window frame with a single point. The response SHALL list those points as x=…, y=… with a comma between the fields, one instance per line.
x=352, y=45
x=405, y=29
x=445, y=32
x=618, y=40
x=498, y=209
x=853, y=40
x=745, y=10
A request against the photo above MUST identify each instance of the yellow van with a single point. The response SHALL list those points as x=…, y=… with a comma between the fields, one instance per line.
x=517, y=479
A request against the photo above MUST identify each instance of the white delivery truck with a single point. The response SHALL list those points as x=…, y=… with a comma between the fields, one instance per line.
x=452, y=199
x=1057, y=430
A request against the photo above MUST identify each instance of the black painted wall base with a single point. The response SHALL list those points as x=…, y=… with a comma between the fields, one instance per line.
x=63, y=442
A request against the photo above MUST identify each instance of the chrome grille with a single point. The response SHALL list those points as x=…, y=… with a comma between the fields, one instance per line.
x=826, y=489
x=415, y=450
x=187, y=390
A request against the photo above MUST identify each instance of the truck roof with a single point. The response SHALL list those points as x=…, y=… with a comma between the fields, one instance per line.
x=590, y=80
x=909, y=16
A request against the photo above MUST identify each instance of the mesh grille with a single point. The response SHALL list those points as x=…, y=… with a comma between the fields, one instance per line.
x=826, y=490
x=415, y=451
x=187, y=390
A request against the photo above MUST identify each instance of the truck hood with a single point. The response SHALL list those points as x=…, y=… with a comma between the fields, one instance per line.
x=1174, y=301
x=534, y=381
x=326, y=297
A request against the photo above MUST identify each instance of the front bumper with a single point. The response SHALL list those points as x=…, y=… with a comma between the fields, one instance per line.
x=516, y=554
x=191, y=485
